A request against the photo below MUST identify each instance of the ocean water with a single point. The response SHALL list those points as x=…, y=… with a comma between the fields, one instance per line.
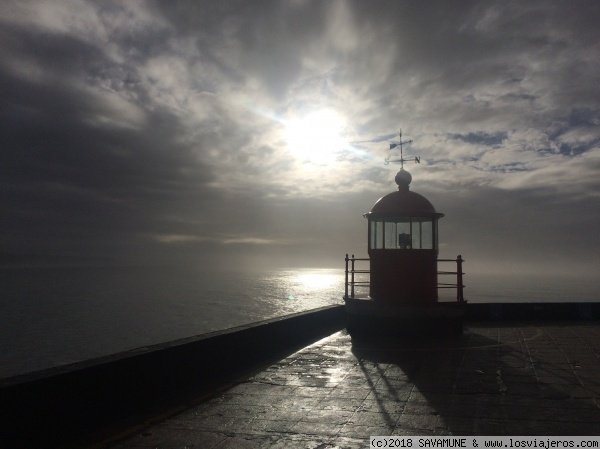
x=55, y=316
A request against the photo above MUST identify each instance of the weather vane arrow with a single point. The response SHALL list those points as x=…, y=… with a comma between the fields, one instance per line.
x=400, y=143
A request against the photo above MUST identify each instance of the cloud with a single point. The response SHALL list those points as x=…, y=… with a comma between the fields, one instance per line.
x=179, y=238
x=129, y=128
x=572, y=177
x=247, y=241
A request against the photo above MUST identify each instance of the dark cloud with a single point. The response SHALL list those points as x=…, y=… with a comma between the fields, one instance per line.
x=77, y=177
x=487, y=139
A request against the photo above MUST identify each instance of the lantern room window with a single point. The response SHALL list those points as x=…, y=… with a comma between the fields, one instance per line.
x=403, y=233
x=427, y=234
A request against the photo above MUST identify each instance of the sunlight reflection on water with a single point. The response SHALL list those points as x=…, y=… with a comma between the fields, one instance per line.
x=304, y=289
x=317, y=281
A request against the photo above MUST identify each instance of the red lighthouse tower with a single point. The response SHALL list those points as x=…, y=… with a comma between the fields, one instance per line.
x=403, y=273
x=403, y=246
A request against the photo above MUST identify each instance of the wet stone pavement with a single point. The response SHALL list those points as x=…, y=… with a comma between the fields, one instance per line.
x=533, y=379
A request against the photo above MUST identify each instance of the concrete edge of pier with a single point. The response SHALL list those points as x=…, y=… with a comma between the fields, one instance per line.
x=72, y=405
x=532, y=311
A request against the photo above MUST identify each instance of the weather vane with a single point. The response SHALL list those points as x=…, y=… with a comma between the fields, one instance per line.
x=393, y=145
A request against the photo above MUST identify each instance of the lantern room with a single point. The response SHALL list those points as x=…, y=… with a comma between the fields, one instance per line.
x=403, y=246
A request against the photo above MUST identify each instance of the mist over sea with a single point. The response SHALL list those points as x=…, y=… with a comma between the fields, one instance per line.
x=55, y=316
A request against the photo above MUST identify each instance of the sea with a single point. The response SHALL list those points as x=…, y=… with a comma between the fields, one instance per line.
x=53, y=316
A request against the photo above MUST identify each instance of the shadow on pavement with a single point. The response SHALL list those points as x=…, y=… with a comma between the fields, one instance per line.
x=489, y=381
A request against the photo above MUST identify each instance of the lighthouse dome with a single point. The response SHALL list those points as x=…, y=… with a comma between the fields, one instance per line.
x=404, y=203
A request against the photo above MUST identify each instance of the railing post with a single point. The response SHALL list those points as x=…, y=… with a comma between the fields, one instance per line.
x=346, y=280
x=352, y=285
x=459, y=279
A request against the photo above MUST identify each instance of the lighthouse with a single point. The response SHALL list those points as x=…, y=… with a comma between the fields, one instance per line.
x=401, y=273
x=403, y=246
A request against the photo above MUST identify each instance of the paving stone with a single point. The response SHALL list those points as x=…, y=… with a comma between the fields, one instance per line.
x=355, y=431
x=420, y=421
x=378, y=406
x=350, y=393
x=300, y=441
x=296, y=402
x=316, y=428
x=374, y=419
x=333, y=417
x=348, y=443
x=399, y=431
x=244, y=442
x=172, y=439
x=386, y=395
x=269, y=426
x=334, y=403
x=221, y=424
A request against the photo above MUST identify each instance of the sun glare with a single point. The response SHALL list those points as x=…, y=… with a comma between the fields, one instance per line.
x=317, y=281
x=316, y=138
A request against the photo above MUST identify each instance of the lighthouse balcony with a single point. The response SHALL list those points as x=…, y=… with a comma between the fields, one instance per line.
x=380, y=300
x=358, y=282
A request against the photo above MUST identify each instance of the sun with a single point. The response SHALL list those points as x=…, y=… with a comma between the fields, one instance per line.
x=316, y=138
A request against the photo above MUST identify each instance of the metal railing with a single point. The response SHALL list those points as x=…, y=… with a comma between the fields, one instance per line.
x=351, y=284
x=459, y=277
x=351, y=271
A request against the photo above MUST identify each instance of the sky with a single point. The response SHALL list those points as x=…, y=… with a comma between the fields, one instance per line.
x=253, y=134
